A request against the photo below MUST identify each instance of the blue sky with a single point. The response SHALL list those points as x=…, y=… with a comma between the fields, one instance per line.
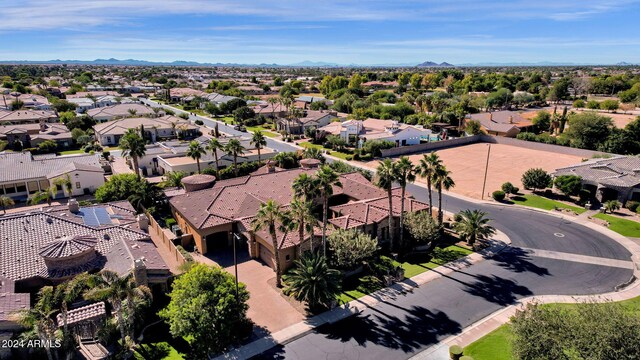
x=285, y=31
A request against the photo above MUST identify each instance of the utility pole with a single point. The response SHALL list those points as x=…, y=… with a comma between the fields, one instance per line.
x=486, y=169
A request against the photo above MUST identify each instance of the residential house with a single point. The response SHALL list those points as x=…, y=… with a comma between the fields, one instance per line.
x=174, y=157
x=501, y=123
x=179, y=94
x=30, y=101
x=311, y=119
x=358, y=131
x=214, y=216
x=273, y=111
x=164, y=127
x=120, y=111
x=31, y=135
x=53, y=244
x=27, y=117
x=616, y=178
x=25, y=174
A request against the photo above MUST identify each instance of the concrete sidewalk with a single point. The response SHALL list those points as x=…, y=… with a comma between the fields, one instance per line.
x=499, y=242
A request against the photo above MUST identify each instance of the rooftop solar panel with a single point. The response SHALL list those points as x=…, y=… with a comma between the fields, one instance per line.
x=103, y=216
x=89, y=217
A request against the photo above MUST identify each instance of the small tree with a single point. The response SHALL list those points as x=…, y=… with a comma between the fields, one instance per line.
x=349, y=248
x=569, y=185
x=611, y=206
x=313, y=282
x=498, y=195
x=205, y=308
x=47, y=146
x=6, y=201
x=508, y=188
x=473, y=127
x=535, y=179
x=423, y=227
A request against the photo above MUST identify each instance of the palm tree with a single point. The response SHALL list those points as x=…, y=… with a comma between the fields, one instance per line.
x=473, y=225
x=67, y=293
x=40, y=196
x=442, y=180
x=300, y=217
x=259, y=141
x=173, y=179
x=326, y=180
x=405, y=173
x=122, y=293
x=234, y=148
x=313, y=282
x=40, y=318
x=313, y=153
x=214, y=145
x=267, y=217
x=133, y=145
x=195, y=151
x=6, y=201
x=305, y=186
x=428, y=164
x=385, y=176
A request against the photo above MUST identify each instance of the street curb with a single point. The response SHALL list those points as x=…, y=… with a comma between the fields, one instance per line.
x=501, y=242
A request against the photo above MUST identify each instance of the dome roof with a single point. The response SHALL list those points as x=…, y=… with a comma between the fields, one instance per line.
x=68, y=246
x=310, y=163
x=198, y=179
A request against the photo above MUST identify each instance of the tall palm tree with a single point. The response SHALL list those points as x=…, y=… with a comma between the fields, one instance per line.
x=313, y=282
x=426, y=168
x=133, y=145
x=259, y=141
x=405, y=173
x=305, y=186
x=40, y=318
x=442, y=181
x=234, y=148
x=121, y=293
x=300, y=217
x=214, y=145
x=6, y=201
x=326, y=180
x=268, y=216
x=473, y=226
x=195, y=151
x=385, y=176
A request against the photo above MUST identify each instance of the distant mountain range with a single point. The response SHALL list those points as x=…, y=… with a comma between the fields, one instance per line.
x=306, y=63
x=432, y=64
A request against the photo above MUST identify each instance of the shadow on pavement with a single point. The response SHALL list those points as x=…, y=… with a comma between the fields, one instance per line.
x=497, y=290
x=518, y=260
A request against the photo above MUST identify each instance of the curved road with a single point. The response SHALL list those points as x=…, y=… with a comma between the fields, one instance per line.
x=400, y=327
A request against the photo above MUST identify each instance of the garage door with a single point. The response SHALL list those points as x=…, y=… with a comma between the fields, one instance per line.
x=266, y=255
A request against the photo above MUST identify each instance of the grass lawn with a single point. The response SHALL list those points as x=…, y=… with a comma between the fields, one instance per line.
x=497, y=344
x=621, y=226
x=493, y=346
x=159, y=350
x=72, y=152
x=337, y=154
x=543, y=203
x=265, y=132
x=159, y=344
x=412, y=267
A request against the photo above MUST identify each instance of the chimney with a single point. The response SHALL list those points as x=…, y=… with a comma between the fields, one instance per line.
x=140, y=272
x=74, y=207
x=43, y=128
x=490, y=116
x=510, y=119
x=271, y=167
x=143, y=222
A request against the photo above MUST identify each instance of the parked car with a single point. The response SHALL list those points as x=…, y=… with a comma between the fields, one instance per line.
x=240, y=128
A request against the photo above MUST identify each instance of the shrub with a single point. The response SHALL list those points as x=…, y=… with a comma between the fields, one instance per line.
x=349, y=157
x=568, y=184
x=498, y=195
x=168, y=223
x=349, y=248
x=455, y=352
x=199, y=122
x=584, y=195
x=536, y=178
x=612, y=205
x=579, y=103
x=632, y=205
x=508, y=188
x=368, y=284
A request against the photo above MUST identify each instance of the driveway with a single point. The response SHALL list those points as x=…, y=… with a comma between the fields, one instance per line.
x=267, y=307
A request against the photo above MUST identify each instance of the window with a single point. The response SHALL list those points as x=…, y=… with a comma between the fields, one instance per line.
x=288, y=257
x=77, y=184
x=21, y=188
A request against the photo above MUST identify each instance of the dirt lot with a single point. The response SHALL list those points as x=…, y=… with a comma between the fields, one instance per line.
x=506, y=163
x=620, y=119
